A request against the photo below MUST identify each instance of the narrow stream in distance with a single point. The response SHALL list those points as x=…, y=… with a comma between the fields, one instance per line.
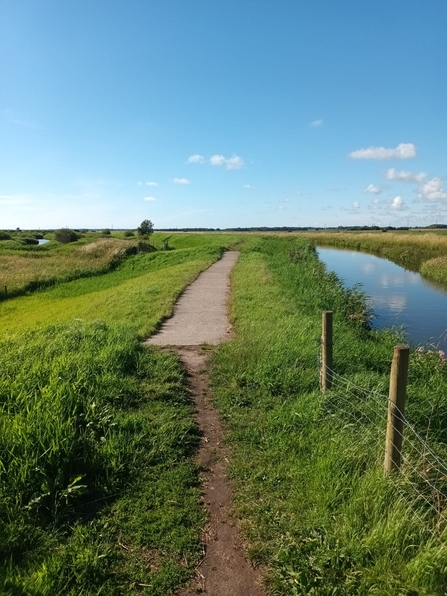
x=397, y=296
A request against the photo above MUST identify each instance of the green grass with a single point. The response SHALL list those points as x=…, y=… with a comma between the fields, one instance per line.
x=139, y=293
x=99, y=490
x=310, y=492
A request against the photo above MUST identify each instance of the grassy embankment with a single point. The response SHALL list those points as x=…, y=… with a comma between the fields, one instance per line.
x=421, y=251
x=310, y=491
x=98, y=491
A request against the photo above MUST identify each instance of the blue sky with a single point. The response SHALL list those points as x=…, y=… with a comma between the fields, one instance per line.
x=222, y=113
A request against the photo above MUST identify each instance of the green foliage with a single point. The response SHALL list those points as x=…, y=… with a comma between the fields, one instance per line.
x=129, y=234
x=94, y=426
x=145, y=228
x=65, y=235
x=311, y=495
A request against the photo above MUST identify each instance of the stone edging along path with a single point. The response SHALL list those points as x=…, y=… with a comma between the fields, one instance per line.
x=200, y=317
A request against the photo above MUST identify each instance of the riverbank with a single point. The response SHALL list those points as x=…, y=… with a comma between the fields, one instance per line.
x=315, y=506
x=425, y=252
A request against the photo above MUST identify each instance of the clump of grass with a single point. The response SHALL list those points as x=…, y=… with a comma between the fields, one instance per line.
x=97, y=489
x=311, y=494
x=435, y=269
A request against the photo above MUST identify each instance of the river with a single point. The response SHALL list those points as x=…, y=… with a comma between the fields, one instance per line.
x=398, y=297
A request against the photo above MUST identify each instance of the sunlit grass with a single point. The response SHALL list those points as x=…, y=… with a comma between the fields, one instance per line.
x=310, y=491
x=139, y=293
x=98, y=487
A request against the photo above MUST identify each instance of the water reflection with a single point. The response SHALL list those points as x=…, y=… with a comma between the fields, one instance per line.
x=399, y=297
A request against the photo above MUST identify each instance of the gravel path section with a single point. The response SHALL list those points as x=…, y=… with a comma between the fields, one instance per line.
x=200, y=315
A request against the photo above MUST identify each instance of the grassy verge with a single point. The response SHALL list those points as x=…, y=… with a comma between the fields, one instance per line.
x=97, y=491
x=418, y=251
x=33, y=267
x=139, y=293
x=314, y=504
x=98, y=487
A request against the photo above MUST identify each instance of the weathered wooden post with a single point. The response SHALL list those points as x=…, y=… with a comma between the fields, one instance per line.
x=326, y=351
x=396, y=409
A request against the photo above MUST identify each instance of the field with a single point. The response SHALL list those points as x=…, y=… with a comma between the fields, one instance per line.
x=99, y=492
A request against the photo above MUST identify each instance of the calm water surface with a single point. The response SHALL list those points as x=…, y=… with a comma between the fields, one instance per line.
x=398, y=297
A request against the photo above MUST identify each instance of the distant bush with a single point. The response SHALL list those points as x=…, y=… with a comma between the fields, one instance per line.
x=106, y=232
x=28, y=240
x=129, y=234
x=6, y=236
x=65, y=235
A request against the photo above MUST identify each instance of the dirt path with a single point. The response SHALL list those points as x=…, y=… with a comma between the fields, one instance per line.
x=201, y=313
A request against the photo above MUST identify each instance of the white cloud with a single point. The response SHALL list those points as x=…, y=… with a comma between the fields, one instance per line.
x=402, y=151
x=433, y=190
x=356, y=205
x=316, y=123
x=181, y=181
x=371, y=188
x=196, y=158
x=403, y=176
x=398, y=203
x=231, y=163
x=248, y=186
x=152, y=199
x=151, y=183
x=234, y=163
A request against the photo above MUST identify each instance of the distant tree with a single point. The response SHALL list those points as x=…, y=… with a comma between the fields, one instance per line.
x=145, y=228
x=106, y=232
x=65, y=235
x=129, y=233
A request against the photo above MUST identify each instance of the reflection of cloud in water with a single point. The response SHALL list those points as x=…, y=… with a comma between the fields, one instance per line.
x=394, y=302
x=369, y=268
x=386, y=280
x=413, y=278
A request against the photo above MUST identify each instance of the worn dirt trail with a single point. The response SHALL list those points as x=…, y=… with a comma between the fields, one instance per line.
x=200, y=318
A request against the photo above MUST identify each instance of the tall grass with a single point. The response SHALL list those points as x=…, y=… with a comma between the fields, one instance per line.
x=312, y=498
x=89, y=417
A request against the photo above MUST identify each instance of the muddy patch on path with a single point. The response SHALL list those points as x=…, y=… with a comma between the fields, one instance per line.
x=224, y=570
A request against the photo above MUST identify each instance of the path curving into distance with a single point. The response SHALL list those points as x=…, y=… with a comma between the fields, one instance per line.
x=200, y=317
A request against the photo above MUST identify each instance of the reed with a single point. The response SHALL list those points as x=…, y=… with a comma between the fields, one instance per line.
x=408, y=249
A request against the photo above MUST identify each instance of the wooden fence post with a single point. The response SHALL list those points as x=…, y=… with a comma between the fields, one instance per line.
x=326, y=351
x=396, y=409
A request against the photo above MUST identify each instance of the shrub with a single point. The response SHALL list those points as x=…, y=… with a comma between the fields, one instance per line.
x=65, y=235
